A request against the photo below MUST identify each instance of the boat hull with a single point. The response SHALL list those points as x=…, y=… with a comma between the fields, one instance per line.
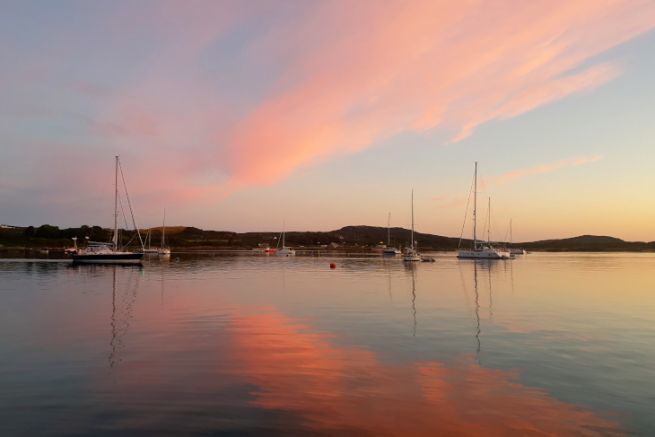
x=483, y=254
x=107, y=258
x=286, y=252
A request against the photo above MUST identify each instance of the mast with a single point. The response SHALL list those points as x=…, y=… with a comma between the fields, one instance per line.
x=389, y=230
x=284, y=229
x=115, y=237
x=510, y=232
x=412, y=246
x=489, y=222
x=163, y=230
x=475, y=206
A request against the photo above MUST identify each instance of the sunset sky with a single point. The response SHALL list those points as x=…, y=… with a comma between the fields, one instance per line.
x=244, y=115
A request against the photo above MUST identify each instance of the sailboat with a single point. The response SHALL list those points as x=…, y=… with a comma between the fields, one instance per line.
x=285, y=251
x=110, y=253
x=390, y=251
x=163, y=250
x=411, y=254
x=481, y=250
x=148, y=243
x=514, y=250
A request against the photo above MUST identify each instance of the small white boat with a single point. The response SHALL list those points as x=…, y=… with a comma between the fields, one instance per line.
x=481, y=250
x=148, y=243
x=388, y=250
x=514, y=250
x=411, y=254
x=163, y=249
x=284, y=251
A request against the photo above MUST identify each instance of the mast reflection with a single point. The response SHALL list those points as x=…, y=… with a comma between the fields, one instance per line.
x=477, y=311
x=121, y=314
x=412, y=268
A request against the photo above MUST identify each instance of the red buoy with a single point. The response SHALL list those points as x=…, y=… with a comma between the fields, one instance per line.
x=333, y=266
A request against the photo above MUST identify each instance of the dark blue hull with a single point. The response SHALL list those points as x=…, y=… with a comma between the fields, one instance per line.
x=108, y=258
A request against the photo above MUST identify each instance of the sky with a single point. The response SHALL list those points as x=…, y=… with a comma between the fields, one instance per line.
x=251, y=116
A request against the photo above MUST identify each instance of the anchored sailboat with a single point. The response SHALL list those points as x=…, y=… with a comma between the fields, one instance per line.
x=285, y=251
x=514, y=250
x=411, y=254
x=390, y=251
x=164, y=250
x=481, y=250
x=148, y=243
x=110, y=253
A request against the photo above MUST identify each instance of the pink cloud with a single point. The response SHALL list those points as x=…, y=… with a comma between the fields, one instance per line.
x=355, y=74
x=421, y=65
x=550, y=167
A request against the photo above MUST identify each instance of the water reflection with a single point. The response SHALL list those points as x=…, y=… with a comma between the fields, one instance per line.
x=477, y=312
x=411, y=267
x=335, y=389
x=121, y=313
x=245, y=346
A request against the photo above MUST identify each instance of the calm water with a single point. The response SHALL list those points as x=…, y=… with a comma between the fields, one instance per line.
x=550, y=343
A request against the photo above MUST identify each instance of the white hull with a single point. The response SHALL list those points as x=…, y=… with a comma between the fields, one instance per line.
x=518, y=252
x=391, y=252
x=165, y=251
x=411, y=255
x=285, y=251
x=486, y=253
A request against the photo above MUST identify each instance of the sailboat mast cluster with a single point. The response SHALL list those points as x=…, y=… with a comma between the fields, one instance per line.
x=484, y=251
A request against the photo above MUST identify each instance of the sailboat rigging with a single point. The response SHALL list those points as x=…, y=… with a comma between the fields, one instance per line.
x=390, y=251
x=164, y=250
x=480, y=250
x=285, y=251
x=103, y=253
x=411, y=254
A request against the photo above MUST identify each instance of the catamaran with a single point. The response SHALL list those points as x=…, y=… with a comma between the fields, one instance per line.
x=97, y=252
x=411, y=254
x=481, y=250
x=388, y=250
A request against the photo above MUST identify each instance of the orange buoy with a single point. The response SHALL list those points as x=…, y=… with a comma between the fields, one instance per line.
x=333, y=266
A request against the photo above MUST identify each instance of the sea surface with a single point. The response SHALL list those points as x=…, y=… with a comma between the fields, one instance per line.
x=561, y=344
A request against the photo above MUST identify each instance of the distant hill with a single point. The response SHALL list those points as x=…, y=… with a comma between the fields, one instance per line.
x=356, y=238
x=589, y=243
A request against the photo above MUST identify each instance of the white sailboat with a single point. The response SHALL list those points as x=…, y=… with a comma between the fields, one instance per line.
x=163, y=249
x=148, y=243
x=110, y=253
x=285, y=251
x=481, y=250
x=390, y=251
x=514, y=250
x=411, y=254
